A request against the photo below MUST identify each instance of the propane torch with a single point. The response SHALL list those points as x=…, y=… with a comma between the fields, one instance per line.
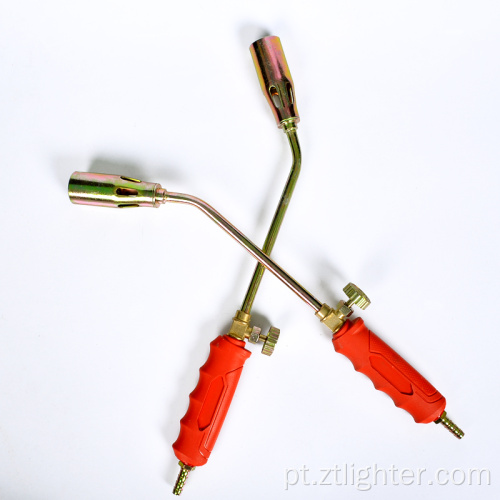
x=219, y=376
x=277, y=85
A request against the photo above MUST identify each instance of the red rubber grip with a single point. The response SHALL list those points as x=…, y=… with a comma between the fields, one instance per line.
x=210, y=400
x=389, y=372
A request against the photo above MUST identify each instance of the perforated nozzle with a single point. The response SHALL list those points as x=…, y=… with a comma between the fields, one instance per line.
x=116, y=191
x=275, y=78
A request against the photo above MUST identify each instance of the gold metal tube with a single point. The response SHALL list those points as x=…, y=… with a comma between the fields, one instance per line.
x=251, y=247
x=277, y=85
x=291, y=132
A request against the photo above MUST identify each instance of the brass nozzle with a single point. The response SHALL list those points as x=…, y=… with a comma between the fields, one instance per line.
x=275, y=78
x=106, y=190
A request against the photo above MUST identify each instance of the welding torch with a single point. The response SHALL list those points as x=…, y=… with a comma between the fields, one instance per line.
x=219, y=376
x=277, y=85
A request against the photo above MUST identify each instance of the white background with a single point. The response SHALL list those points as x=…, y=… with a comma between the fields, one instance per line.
x=106, y=315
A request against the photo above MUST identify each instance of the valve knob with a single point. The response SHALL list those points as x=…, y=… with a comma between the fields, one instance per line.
x=271, y=341
x=356, y=296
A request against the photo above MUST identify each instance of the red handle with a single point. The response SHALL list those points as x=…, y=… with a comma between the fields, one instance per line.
x=389, y=372
x=210, y=400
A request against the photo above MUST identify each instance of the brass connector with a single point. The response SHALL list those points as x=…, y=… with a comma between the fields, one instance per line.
x=241, y=330
x=335, y=318
x=330, y=317
x=240, y=327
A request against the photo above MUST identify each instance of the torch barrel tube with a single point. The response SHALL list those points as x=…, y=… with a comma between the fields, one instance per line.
x=108, y=191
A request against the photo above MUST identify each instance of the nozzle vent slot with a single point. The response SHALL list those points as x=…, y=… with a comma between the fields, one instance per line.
x=289, y=89
x=275, y=96
x=126, y=192
x=131, y=179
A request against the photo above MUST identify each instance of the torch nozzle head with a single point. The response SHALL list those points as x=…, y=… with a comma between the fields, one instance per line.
x=275, y=78
x=116, y=191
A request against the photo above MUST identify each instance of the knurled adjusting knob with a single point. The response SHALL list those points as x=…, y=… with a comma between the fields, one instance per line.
x=356, y=296
x=270, y=340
